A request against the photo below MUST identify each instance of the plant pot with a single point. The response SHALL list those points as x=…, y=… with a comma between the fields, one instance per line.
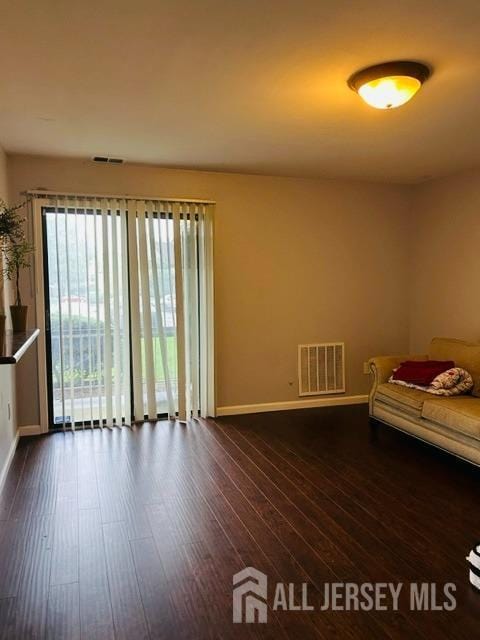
x=19, y=317
x=2, y=332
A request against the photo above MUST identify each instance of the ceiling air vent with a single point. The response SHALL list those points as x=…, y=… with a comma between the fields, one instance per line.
x=105, y=159
x=321, y=368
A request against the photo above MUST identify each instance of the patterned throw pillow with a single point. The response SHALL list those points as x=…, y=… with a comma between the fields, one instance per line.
x=473, y=560
x=453, y=382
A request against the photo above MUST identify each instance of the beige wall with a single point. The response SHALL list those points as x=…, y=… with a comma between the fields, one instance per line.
x=295, y=261
x=3, y=175
x=445, y=262
x=7, y=427
x=4, y=196
x=6, y=288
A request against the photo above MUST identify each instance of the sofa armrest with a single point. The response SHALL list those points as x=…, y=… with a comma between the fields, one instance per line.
x=381, y=368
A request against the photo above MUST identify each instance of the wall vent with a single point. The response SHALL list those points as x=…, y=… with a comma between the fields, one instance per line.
x=321, y=368
x=107, y=159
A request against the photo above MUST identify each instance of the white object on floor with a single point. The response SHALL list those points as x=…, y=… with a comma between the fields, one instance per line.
x=473, y=560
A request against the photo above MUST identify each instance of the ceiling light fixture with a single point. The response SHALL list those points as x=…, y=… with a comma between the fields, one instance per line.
x=390, y=84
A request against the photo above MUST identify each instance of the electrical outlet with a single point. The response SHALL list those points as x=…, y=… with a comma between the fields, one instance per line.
x=366, y=368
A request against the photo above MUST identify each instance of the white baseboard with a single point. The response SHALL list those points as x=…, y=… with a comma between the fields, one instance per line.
x=292, y=404
x=8, y=461
x=30, y=430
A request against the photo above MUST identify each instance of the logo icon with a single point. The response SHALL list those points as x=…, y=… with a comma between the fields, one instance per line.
x=473, y=560
x=249, y=596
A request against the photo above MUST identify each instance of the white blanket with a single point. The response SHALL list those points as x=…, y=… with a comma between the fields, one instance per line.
x=452, y=382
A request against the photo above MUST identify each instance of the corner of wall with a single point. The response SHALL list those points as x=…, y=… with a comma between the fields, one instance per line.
x=443, y=261
x=412, y=211
x=5, y=195
x=3, y=174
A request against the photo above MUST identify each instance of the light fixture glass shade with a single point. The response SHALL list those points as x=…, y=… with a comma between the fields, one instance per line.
x=389, y=92
x=389, y=84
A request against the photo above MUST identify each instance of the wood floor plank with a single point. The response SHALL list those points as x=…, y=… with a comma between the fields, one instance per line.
x=309, y=538
x=12, y=481
x=14, y=537
x=37, y=488
x=324, y=511
x=94, y=594
x=213, y=561
x=264, y=553
x=289, y=548
x=32, y=597
x=7, y=618
x=87, y=476
x=416, y=528
x=314, y=480
x=154, y=589
x=63, y=617
x=137, y=533
x=65, y=543
x=128, y=613
x=119, y=500
x=385, y=495
x=186, y=598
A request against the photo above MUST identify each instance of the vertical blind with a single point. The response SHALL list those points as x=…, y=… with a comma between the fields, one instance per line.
x=129, y=308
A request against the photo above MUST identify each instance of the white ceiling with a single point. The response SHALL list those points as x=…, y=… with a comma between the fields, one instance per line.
x=256, y=86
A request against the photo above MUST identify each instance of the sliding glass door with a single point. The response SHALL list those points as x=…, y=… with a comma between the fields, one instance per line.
x=127, y=310
x=83, y=256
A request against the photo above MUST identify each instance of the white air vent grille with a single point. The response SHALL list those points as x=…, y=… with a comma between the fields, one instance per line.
x=321, y=368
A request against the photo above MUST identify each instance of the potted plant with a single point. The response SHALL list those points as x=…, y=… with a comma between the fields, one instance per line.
x=17, y=255
x=10, y=231
x=14, y=255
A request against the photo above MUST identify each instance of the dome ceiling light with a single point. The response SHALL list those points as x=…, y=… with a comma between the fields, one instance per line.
x=390, y=84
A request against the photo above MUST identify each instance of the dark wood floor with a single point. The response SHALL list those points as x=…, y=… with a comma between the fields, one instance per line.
x=137, y=534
